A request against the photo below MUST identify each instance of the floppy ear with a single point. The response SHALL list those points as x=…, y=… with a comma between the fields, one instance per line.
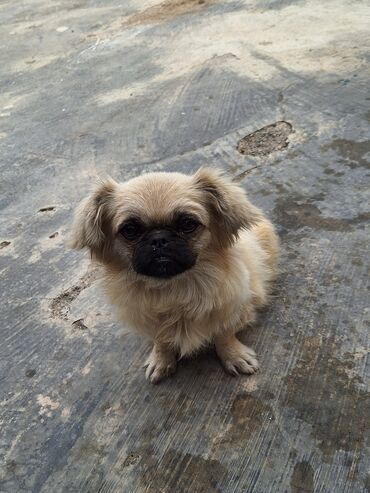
x=91, y=226
x=228, y=205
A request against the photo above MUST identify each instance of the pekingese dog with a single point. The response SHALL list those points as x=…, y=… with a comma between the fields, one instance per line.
x=187, y=261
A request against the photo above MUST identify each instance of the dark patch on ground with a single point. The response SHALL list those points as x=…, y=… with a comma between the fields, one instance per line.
x=302, y=478
x=244, y=173
x=364, y=217
x=293, y=214
x=90, y=448
x=11, y=467
x=351, y=151
x=4, y=244
x=60, y=305
x=266, y=140
x=315, y=386
x=30, y=373
x=131, y=459
x=330, y=279
x=185, y=404
x=79, y=324
x=47, y=208
x=352, y=463
x=54, y=235
x=248, y=412
x=279, y=4
x=367, y=482
x=182, y=473
x=167, y=10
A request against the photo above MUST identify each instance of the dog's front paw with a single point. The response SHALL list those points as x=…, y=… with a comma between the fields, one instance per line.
x=235, y=357
x=160, y=364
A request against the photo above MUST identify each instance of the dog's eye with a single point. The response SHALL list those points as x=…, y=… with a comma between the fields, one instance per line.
x=131, y=230
x=187, y=224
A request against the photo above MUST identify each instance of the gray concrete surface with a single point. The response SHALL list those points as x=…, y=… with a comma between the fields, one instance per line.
x=92, y=87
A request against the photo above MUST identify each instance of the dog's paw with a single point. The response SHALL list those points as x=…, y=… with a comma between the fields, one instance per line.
x=246, y=362
x=159, y=365
x=236, y=357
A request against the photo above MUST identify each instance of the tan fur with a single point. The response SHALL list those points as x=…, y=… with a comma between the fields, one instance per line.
x=237, y=259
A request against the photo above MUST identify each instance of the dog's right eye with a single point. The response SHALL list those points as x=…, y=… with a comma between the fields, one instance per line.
x=187, y=224
x=131, y=230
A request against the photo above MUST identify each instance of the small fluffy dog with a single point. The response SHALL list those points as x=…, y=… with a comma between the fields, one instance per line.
x=187, y=260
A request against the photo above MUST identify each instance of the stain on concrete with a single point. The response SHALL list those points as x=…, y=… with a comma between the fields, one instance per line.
x=243, y=174
x=185, y=406
x=167, y=10
x=357, y=261
x=248, y=412
x=89, y=448
x=330, y=278
x=293, y=214
x=279, y=4
x=131, y=460
x=266, y=140
x=323, y=390
x=302, y=480
x=60, y=305
x=11, y=467
x=367, y=483
x=198, y=475
x=30, y=373
x=363, y=217
x=352, y=463
x=252, y=409
x=79, y=324
x=352, y=152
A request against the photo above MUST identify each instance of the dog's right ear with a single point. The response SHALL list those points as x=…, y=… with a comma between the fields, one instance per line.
x=91, y=226
x=228, y=205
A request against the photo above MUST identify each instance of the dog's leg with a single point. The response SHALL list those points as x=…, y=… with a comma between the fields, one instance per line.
x=235, y=357
x=161, y=363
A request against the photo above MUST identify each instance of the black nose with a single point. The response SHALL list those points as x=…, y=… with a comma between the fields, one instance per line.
x=159, y=239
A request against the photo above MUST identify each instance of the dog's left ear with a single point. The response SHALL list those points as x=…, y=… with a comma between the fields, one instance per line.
x=228, y=205
x=91, y=226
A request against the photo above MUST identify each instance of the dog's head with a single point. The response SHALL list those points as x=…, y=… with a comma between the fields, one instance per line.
x=161, y=224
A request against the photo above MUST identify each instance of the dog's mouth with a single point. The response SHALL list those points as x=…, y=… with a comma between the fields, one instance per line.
x=163, y=267
x=163, y=260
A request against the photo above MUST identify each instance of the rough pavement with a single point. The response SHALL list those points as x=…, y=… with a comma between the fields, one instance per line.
x=92, y=88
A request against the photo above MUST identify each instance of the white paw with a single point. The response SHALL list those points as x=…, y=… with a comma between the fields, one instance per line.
x=238, y=358
x=159, y=365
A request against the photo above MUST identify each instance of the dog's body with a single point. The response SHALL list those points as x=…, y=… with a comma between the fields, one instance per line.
x=183, y=282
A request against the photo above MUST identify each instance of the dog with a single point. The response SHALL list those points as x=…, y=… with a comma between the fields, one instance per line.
x=187, y=260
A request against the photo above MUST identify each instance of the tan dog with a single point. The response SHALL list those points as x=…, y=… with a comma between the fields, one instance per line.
x=187, y=261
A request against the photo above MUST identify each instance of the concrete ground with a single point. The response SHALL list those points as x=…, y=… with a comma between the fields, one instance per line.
x=92, y=87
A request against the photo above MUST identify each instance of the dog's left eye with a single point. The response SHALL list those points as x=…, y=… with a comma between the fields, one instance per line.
x=131, y=230
x=187, y=224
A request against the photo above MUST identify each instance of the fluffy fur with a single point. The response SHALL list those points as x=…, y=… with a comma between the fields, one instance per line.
x=236, y=252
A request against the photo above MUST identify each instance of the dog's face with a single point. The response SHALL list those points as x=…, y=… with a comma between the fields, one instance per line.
x=161, y=224
x=162, y=248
